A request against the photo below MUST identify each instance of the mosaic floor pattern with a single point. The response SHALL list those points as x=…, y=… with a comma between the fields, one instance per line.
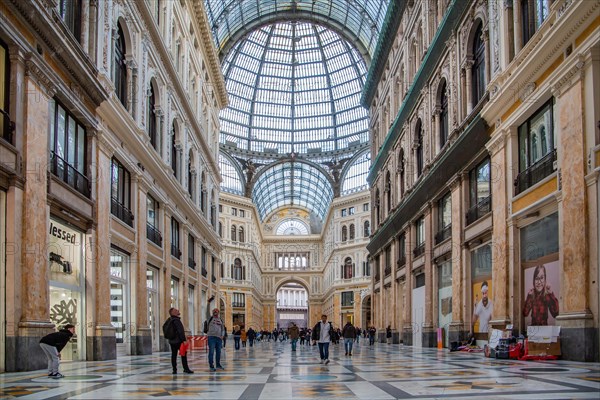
x=273, y=371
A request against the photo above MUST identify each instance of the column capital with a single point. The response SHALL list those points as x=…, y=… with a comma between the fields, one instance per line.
x=496, y=143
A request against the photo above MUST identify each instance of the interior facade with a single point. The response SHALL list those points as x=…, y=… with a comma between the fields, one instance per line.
x=411, y=164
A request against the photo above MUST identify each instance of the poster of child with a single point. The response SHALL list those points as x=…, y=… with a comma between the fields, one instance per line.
x=541, y=293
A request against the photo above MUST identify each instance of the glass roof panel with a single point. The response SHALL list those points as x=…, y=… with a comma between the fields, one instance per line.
x=360, y=20
x=355, y=179
x=292, y=184
x=231, y=181
x=292, y=226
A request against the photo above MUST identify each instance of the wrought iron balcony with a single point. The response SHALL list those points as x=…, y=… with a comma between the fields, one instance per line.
x=444, y=234
x=121, y=212
x=479, y=210
x=535, y=173
x=419, y=250
x=68, y=174
x=401, y=261
x=175, y=252
x=7, y=127
x=153, y=234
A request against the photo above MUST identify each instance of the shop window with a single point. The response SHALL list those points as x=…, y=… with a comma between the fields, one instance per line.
x=478, y=69
x=480, y=189
x=444, y=271
x=7, y=127
x=444, y=214
x=152, y=230
x=68, y=145
x=70, y=13
x=537, y=154
x=347, y=299
x=120, y=66
x=191, y=252
x=175, y=248
x=121, y=192
x=119, y=294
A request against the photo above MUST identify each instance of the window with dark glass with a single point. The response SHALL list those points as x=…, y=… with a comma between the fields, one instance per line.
x=220, y=229
x=344, y=233
x=70, y=13
x=347, y=299
x=366, y=229
x=242, y=213
x=203, y=194
x=366, y=268
x=537, y=154
x=191, y=183
x=234, y=211
x=233, y=233
x=120, y=67
x=478, y=69
x=191, y=252
x=388, y=192
x=419, y=148
x=175, y=251
x=204, y=262
x=68, y=145
x=420, y=237
x=241, y=235
x=351, y=211
x=120, y=192
x=377, y=206
x=443, y=115
x=238, y=272
x=174, y=154
x=152, y=229
x=402, y=172
x=388, y=261
x=352, y=232
x=401, y=250
x=152, y=132
x=480, y=191
x=6, y=126
x=366, y=207
x=533, y=14
x=348, y=269
x=344, y=212
x=444, y=214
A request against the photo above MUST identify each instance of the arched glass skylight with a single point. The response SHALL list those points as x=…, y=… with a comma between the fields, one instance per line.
x=294, y=87
x=356, y=178
x=292, y=184
x=292, y=226
x=231, y=181
x=360, y=20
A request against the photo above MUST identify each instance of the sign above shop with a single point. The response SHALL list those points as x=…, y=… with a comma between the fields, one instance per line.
x=62, y=234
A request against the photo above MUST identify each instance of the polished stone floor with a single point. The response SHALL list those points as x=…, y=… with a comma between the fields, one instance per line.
x=272, y=371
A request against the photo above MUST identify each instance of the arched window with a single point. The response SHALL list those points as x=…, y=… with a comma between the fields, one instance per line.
x=152, y=118
x=377, y=206
x=174, y=155
x=344, y=233
x=478, y=70
x=367, y=229
x=233, y=233
x=213, y=209
x=203, y=193
x=419, y=148
x=241, y=237
x=347, y=272
x=120, y=66
x=352, y=232
x=237, y=272
x=388, y=191
x=402, y=172
x=191, y=176
x=443, y=115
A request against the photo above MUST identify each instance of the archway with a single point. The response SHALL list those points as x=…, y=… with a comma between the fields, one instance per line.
x=292, y=305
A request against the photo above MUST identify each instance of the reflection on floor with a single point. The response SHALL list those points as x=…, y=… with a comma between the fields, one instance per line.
x=273, y=371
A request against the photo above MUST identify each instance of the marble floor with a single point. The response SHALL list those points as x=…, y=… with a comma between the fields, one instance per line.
x=273, y=371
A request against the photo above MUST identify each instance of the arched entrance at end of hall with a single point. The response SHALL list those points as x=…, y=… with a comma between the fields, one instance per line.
x=292, y=304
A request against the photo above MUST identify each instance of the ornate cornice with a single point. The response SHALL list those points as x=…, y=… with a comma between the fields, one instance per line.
x=39, y=74
x=573, y=75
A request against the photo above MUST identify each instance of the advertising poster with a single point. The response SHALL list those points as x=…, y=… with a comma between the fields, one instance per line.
x=541, y=294
x=483, y=307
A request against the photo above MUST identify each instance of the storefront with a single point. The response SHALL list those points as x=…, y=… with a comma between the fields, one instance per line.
x=120, y=299
x=152, y=285
x=418, y=310
x=67, y=282
x=445, y=298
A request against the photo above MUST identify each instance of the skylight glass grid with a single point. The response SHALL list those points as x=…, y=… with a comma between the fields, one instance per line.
x=231, y=181
x=355, y=179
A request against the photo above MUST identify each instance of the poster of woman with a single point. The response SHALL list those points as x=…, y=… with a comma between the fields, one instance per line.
x=541, y=287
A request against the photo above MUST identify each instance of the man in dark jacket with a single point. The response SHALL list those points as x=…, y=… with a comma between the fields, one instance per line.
x=52, y=345
x=349, y=334
x=180, y=338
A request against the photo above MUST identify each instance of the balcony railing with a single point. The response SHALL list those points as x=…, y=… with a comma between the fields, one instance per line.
x=68, y=174
x=444, y=234
x=121, y=212
x=213, y=279
x=204, y=272
x=534, y=174
x=153, y=234
x=7, y=127
x=401, y=261
x=175, y=252
x=191, y=263
x=387, y=270
x=419, y=250
x=479, y=210
x=238, y=304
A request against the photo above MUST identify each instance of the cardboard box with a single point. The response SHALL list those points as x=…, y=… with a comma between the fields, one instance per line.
x=544, y=349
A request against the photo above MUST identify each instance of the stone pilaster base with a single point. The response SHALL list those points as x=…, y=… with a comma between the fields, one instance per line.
x=102, y=344
x=396, y=339
x=407, y=336
x=429, y=337
x=457, y=332
x=578, y=338
x=23, y=352
x=141, y=344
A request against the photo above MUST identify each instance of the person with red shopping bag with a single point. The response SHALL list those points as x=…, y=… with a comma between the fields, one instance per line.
x=173, y=331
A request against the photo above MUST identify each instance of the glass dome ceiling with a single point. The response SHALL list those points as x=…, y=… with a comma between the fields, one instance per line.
x=294, y=87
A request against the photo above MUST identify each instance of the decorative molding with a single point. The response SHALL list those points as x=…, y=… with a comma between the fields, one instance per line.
x=566, y=81
x=40, y=75
x=527, y=90
x=496, y=143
